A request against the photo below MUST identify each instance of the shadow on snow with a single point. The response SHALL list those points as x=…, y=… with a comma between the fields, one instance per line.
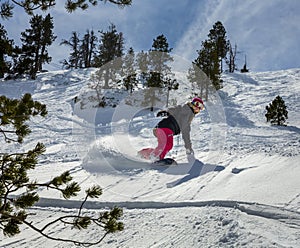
x=198, y=169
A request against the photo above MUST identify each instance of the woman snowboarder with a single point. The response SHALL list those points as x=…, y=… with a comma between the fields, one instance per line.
x=177, y=120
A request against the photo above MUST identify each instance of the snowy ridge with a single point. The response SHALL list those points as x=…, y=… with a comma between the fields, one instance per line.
x=252, y=208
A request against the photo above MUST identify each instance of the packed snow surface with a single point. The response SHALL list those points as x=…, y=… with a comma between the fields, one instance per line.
x=243, y=189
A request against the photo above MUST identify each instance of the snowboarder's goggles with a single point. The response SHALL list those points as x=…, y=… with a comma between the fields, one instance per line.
x=199, y=105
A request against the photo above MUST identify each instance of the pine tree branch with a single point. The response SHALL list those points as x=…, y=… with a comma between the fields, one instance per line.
x=121, y=2
x=64, y=220
x=6, y=138
x=33, y=6
x=42, y=232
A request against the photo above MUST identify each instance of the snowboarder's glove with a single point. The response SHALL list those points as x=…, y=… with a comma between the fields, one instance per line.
x=189, y=151
x=162, y=113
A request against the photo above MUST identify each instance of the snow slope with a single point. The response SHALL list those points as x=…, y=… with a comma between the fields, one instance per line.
x=243, y=189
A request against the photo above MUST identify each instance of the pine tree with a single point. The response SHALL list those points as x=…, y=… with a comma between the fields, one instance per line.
x=87, y=49
x=160, y=74
x=211, y=54
x=142, y=62
x=217, y=35
x=111, y=49
x=129, y=70
x=82, y=51
x=159, y=57
x=6, y=8
x=34, y=45
x=6, y=49
x=111, y=46
x=47, y=39
x=277, y=112
x=74, y=59
x=208, y=62
x=18, y=193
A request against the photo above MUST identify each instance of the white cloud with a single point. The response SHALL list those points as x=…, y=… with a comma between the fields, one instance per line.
x=266, y=31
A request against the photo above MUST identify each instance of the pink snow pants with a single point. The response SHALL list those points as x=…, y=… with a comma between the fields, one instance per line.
x=164, y=144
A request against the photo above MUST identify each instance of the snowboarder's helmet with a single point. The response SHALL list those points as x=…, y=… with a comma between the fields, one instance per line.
x=198, y=103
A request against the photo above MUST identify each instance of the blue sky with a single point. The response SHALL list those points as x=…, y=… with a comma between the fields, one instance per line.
x=266, y=31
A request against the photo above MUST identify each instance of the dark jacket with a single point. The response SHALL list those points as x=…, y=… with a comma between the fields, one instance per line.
x=179, y=121
x=171, y=123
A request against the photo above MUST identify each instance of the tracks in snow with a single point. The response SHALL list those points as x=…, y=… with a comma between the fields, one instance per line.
x=251, y=208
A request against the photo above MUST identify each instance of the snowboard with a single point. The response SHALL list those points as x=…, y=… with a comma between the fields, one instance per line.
x=146, y=154
x=165, y=162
